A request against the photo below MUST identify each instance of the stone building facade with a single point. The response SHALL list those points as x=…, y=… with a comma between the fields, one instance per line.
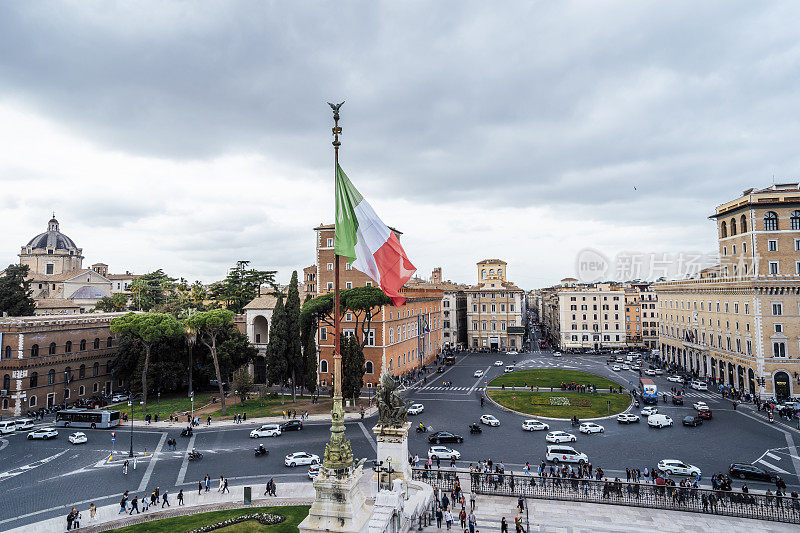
x=400, y=339
x=495, y=309
x=740, y=325
x=47, y=360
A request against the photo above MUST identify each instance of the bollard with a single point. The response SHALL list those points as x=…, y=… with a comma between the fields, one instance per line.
x=248, y=495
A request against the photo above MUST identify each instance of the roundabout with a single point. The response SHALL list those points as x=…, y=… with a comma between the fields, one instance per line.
x=566, y=394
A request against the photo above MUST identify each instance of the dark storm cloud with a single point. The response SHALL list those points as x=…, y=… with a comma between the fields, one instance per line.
x=568, y=104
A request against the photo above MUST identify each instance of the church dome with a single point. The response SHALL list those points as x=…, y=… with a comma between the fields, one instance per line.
x=52, y=239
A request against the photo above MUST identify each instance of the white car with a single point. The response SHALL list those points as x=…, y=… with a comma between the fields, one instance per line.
x=565, y=454
x=626, y=366
x=119, y=398
x=313, y=471
x=509, y=368
x=443, y=452
x=591, y=427
x=512, y=352
x=659, y=421
x=556, y=354
x=675, y=379
x=647, y=411
x=415, y=409
x=534, y=425
x=616, y=368
x=43, y=433
x=676, y=467
x=635, y=368
x=649, y=372
x=699, y=385
x=560, y=436
x=700, y=406
x=489, y=420
x=627, y=418
x=498, y=363
x=477, y=374
x=78, y=438
x=301, y=458
x=267, y=430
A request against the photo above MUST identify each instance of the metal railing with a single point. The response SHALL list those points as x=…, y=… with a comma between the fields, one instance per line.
x=670, y=497
x=443, y=479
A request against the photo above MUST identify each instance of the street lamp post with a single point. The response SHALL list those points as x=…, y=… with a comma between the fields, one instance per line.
x=191, y=396
x=130, y=404
x=158, y=404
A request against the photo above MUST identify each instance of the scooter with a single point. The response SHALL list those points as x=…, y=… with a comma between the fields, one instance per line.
x=186, y=432
x=194, y=455
x=258, y=452
x=422, y=429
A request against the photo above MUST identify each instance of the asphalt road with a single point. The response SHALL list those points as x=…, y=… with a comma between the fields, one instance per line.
x=41, y=479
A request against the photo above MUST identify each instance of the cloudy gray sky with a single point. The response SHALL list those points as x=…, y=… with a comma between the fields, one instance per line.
x=188, y=135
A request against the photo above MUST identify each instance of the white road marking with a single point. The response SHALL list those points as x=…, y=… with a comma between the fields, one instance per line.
x=149, y=472
x=369, y=437
x=14, y=472
x=3, y=444
x=185, y=463
x=483, y=377
x=793, y=453
x=772, y=456
x=772, y=466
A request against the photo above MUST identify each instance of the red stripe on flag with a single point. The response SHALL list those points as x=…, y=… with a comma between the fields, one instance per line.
x=395, y=268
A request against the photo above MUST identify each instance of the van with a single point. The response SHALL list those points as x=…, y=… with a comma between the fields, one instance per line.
x=509, y=368
x=7, y=426
x=565, y=454
x=659, y=421
x=23, y=423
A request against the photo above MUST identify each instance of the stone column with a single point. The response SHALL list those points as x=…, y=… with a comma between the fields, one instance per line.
x=393, y=442
x=339, y=506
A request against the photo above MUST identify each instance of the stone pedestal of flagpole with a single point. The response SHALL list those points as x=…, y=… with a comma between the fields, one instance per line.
x=393, y=450
x=340, y=504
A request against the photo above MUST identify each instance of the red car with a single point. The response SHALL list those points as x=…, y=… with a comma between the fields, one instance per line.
x=705, y=414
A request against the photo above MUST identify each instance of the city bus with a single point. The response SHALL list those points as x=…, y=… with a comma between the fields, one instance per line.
x=87, y=418
x=649, y=390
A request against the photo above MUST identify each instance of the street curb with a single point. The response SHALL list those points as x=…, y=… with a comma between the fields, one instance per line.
x=528, y=415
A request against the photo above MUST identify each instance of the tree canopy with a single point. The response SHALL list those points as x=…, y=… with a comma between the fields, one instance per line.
x=360, y=301
x=151, y=290
x=114, y=303
x=241, y=285
x=15, y=292
x=210, y=326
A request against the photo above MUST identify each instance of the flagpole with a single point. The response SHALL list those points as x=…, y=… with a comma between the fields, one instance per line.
x=338, y=453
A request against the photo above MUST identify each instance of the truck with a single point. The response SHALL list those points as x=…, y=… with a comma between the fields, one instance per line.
x=649, y=390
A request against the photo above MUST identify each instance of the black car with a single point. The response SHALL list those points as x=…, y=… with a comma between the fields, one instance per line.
x=677, y=399
x=445, y=436
x=693, y=421
x=291, y=425
x=748, y=471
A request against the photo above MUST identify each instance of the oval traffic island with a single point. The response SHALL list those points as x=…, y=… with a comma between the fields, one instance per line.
x=513, y=391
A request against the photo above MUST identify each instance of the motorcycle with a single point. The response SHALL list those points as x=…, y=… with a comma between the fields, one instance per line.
x=575, y=421
x=194, y=455
x=187, y=432
x=258, y=452
x=422, y=429
x=475, y=428
x=636, y=404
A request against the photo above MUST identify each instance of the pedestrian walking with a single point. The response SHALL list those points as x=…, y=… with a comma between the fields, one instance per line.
x=199, y=487
x=125, y=467
x=208, y=482
x=439, y=516
x=92, y=511
x=134, y=505
x=134, y=462
x=225, y=487
x=145, y=503
x=472, y=500
x=462, y=517
x=448, y=519
x=165, y=499
x=208, y=423
x=503, y=525
x=180, y=497
x=472, y=522
x=221, y=483
x=70, y=519
x=123, y=505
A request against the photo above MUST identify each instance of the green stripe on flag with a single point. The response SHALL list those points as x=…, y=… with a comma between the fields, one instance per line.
x=347, y=198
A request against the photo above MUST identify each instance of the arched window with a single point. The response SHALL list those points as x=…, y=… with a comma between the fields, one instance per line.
x=68, y=347
x=81, y=390
x=51, y=377
x=795, y=220
x=34, y=380
x=96, y=369
x=83, y=345
x=733, y=226
x=499, y=271
x=67, y=375
x=8, y=352
x=743, y=224
x=771, y=221
x=323, y=366
x=723, y=229
x=96, y=343
x=82, y=372
x=109, y=342
x=391, y=335
x=32, y=401
x=6, y=382
x=35, y=350
x=52, y=349
x=370, y=367
x=108, y=367
x=483, y=274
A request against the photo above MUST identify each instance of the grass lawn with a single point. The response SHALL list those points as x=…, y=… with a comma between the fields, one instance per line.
x=551, y=377
x=166, y=405
x=294, y=515
x=582, y=405
x=273, y=407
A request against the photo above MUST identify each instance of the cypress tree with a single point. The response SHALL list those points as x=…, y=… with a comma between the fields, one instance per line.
x=293, y=353
x=276, y=346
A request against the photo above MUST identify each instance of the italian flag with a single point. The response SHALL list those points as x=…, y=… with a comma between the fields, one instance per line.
x=370, y=245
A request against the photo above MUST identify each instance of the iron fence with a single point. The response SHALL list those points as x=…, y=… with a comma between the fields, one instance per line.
x=444, y=479
x=670, y=497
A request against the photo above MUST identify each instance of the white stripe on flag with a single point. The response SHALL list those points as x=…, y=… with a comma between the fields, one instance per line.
x=372, y=233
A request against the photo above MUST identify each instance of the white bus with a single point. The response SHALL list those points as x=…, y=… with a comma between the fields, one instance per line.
x=87, y=418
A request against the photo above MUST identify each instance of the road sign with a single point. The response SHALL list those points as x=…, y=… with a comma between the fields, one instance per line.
x=608, y=402
x=113, y=438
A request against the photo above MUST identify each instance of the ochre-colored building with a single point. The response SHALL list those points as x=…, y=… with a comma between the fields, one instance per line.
x=495, y=309
x=740, y=324
x=400, y=339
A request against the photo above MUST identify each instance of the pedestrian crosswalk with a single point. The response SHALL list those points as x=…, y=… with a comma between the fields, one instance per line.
x=431, y=388
x=703, y=395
